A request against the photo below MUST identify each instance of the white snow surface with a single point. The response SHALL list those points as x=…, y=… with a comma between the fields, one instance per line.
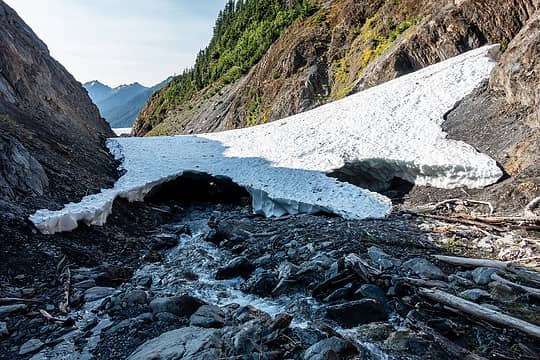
x=390, y=130
x=122, y=131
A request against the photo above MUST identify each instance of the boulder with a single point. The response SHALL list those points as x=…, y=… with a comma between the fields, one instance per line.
x=474, y=294
x=192, y=343
x=261, y=283
x=482, y=275
x=239, y=266
x=370, y=291
x=423, y=268
x=331, y=348
x=355, y=313
x=183, y=305
x=31, y=346
x=97, y=292
x=208, y=316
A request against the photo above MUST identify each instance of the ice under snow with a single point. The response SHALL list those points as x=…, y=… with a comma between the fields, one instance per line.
x=390, y=130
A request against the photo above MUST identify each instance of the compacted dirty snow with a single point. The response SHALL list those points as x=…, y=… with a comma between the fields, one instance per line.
x=392, y=130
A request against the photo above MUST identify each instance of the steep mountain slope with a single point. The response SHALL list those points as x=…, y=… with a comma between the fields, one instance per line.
x=342, y=47
x=121, y=105
x=51, y=135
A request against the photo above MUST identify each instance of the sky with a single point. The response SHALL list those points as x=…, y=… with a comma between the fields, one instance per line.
x=122, y=41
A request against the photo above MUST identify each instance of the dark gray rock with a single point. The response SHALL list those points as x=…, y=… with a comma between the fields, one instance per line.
x=167, y=318
x=355, y=313
x=192, y=343
x=423, y=268
x=144, y=281
x=239, y=266
x=97, y=292
x=7, y=310
x=136, y=297
x=183, y=305
x=340, y=294
x=379, y=257
x=208, y=316
x=331, y=348
x=482, y=275
x=474, y=294
x=247, y=313
x=31, y=346
x=20, y=172
x=261, y=283
x=374, y=292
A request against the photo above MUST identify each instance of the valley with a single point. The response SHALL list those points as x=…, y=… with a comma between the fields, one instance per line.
x=331, y=180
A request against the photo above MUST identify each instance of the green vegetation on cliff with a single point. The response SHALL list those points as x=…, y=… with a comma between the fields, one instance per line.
x=243, y=32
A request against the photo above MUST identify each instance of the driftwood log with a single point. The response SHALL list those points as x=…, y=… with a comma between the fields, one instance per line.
x=480, y=312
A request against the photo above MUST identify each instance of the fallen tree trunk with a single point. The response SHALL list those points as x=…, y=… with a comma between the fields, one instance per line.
x=529, y=290
x=472, y=262
x=483, y=313
x=451, y=348
x=521, y=271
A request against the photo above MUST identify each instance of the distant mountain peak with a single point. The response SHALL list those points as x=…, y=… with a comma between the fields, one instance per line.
x=95, y=83
x=120, y=105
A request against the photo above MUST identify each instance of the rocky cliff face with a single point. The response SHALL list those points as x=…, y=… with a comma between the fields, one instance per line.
x=51, y=135
x=344, y=47
x=502, y=119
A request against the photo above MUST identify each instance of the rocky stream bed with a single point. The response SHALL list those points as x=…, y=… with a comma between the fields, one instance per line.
x=213, y=281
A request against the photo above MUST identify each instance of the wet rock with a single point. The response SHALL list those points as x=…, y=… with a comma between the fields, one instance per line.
x=399, y=340
x=136, y=297
x=355, y=313
x=482, y=275
x=247, y=313
x=164, y=241
x=282, y=321
x=144, y=281
x=474, y=294
x=7, y=310
x=331, y=348
x=239, y=266
x=340, y=294
x=208, y=316
x=97, y=292
x=261, y=283
x=370, y=291
x=183, y=305
x=3, y=329
x=376, y=331
x=413, y=344
x=187, y=343
x=424, y=269
x=31, y=346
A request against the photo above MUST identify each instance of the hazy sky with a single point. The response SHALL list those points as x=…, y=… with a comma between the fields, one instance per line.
x=122, y=41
